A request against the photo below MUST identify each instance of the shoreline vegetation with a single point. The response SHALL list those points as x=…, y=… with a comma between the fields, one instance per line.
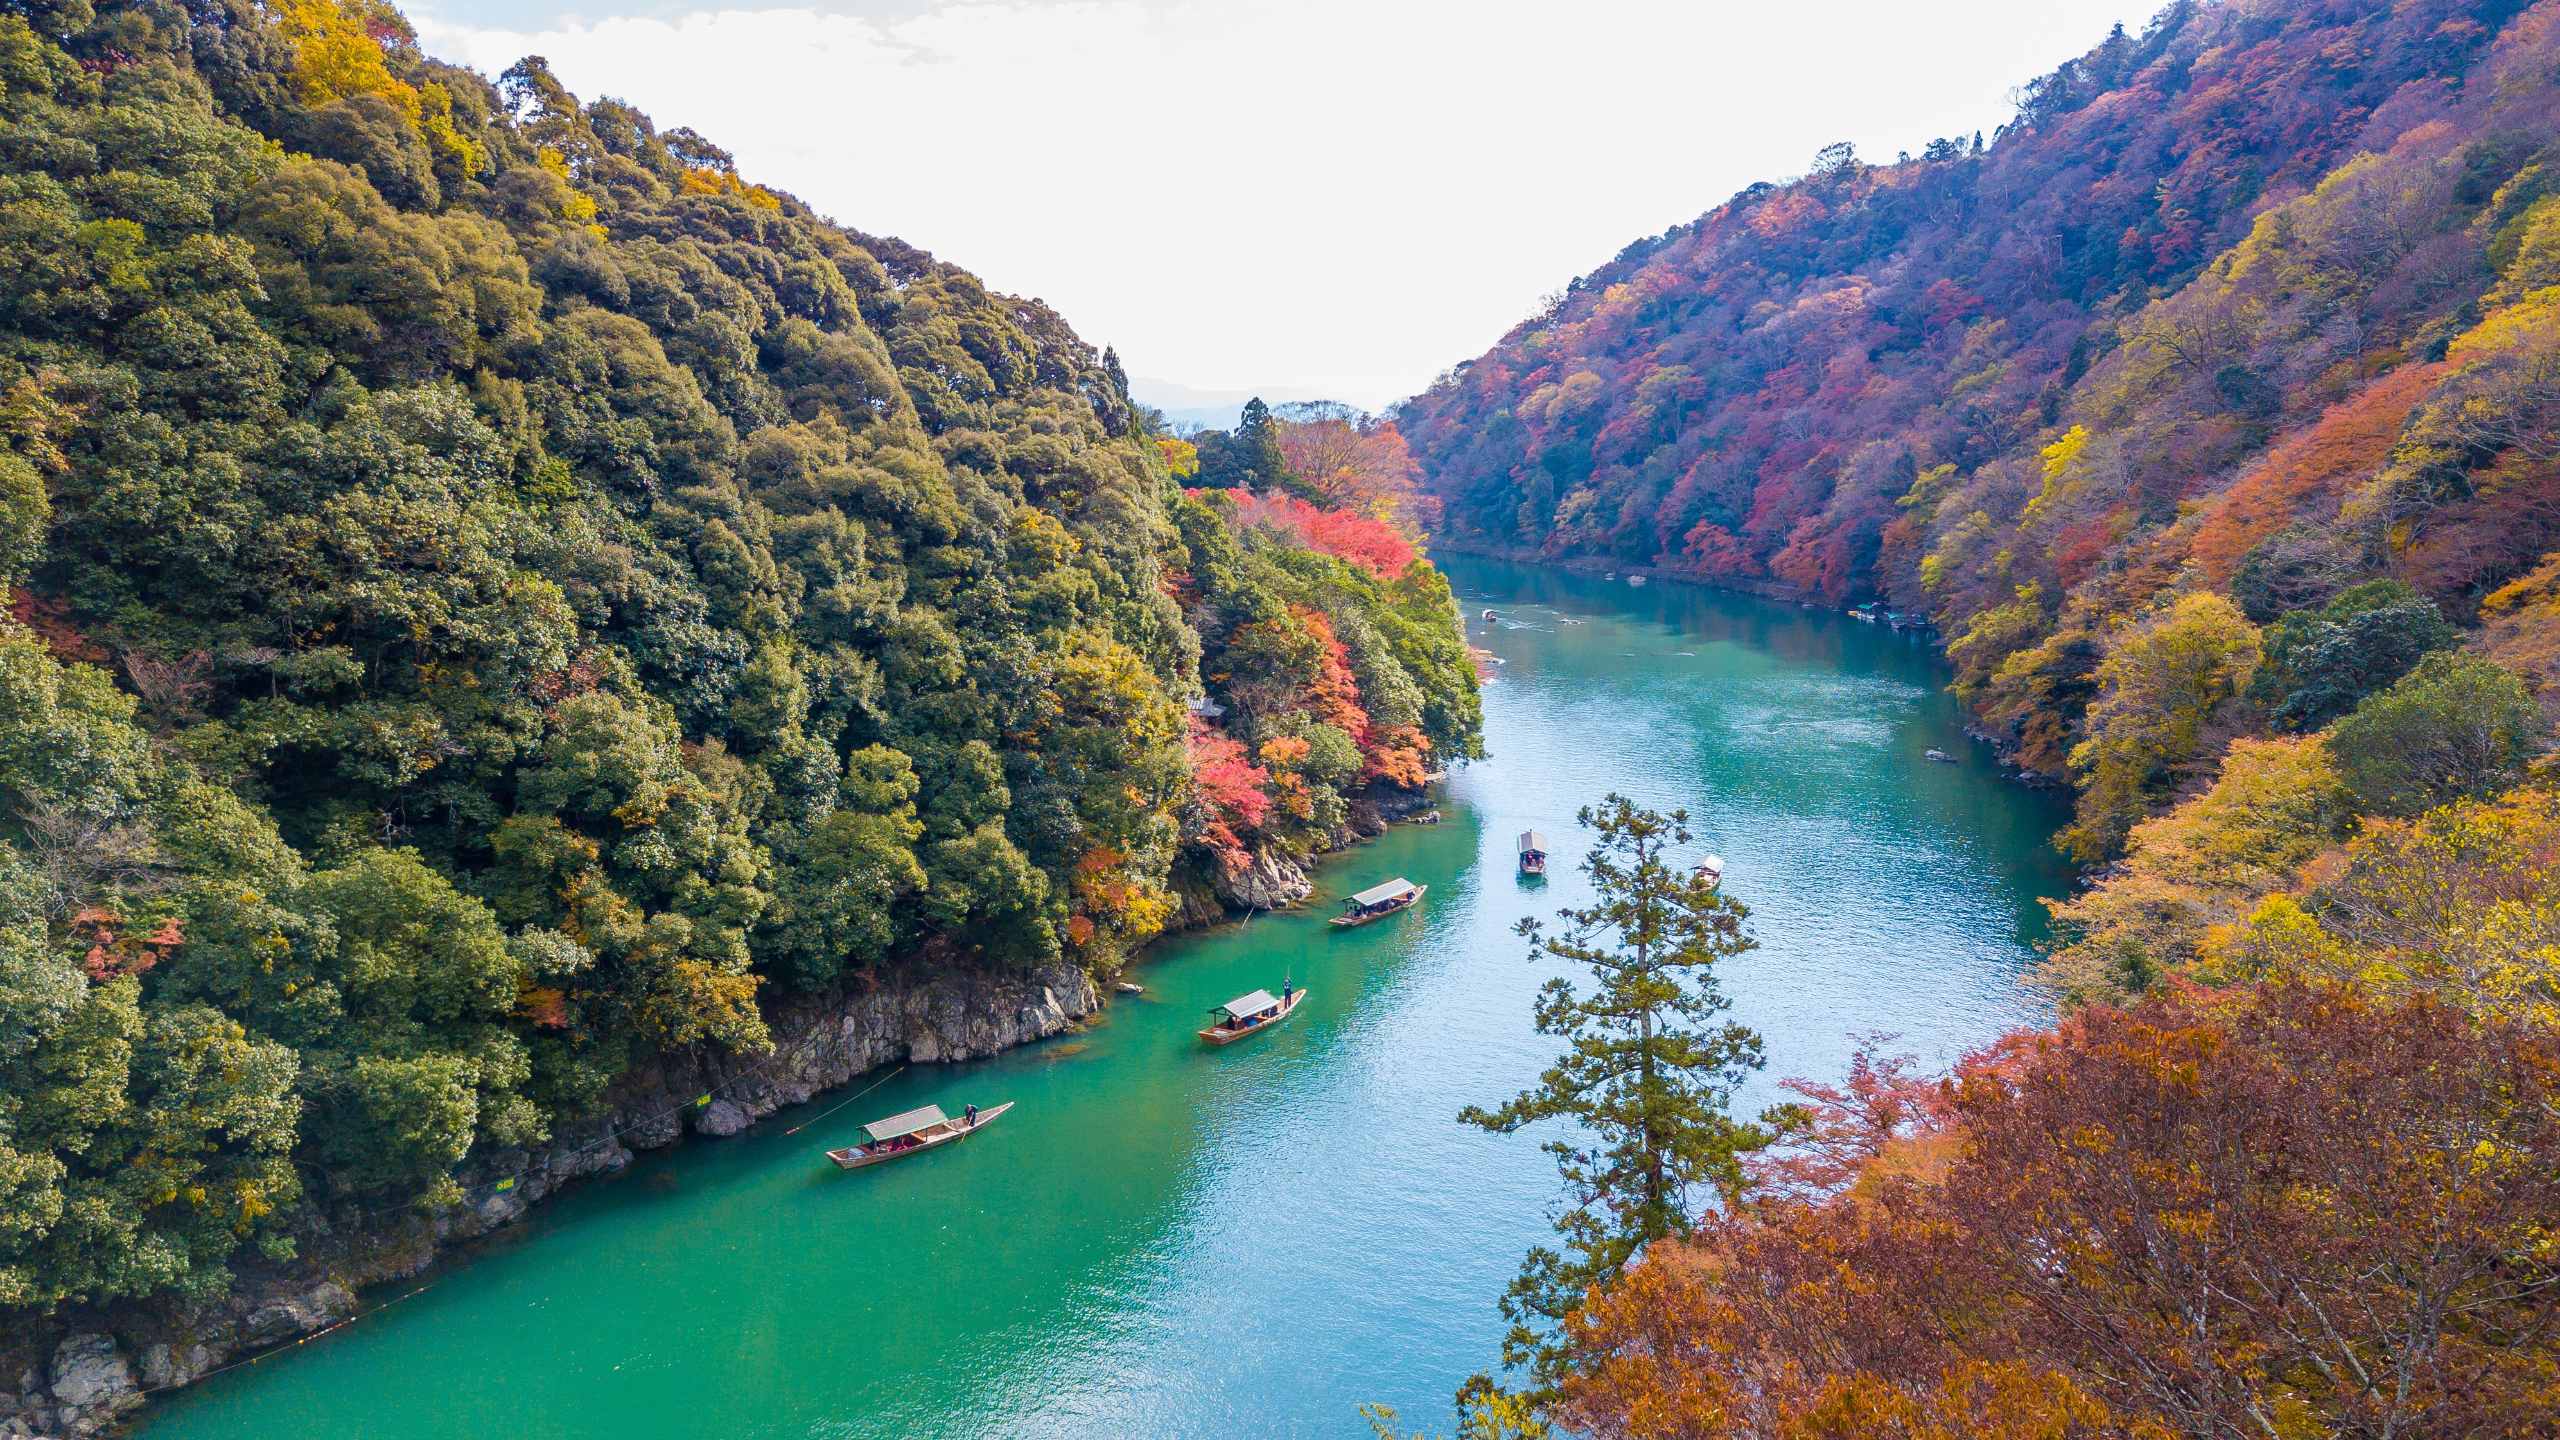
x=524, y=641
x=824, y=1047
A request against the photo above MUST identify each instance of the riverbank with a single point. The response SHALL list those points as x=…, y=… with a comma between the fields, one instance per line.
x=1594, y=565
x=90, y=1372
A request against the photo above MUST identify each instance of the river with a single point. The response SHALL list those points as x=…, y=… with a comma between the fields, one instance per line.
x=1165, y=1239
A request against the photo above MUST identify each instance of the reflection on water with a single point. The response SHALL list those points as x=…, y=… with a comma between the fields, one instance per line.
x=1169, y=1239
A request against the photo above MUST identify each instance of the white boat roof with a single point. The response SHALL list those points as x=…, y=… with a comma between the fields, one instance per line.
x=1532, y=840
x=1712, y=862
x=1379, y=894
x=922, y=1118
x=1253, y=1004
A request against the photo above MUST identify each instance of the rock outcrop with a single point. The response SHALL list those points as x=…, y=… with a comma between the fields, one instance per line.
x=1272, y=881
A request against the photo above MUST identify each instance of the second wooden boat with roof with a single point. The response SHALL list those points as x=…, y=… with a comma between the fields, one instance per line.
x=1251, y=1015
x=1380, y=901
x=917, y=1130
x=1533, y=853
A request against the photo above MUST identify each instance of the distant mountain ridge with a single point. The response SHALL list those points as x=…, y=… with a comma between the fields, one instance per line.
x=1187, y=407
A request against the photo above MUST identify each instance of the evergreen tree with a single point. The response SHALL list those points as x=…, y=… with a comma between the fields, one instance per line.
x=1247, y=457
x=1257, y=446
x=1648, y=1070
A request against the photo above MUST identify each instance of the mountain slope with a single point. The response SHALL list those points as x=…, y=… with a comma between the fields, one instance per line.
x=498, y=593
x=2256, y=302
x=2212, y=413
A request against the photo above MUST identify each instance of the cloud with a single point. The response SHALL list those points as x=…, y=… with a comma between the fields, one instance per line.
x=1345, y=195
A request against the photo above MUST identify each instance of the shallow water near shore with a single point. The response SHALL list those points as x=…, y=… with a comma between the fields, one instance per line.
x=1163, y=1238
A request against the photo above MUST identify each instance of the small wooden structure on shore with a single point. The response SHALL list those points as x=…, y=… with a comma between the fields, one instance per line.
x=1251, y=1014
x=919, y=1129
x=1380, y=901
x=1533, y=853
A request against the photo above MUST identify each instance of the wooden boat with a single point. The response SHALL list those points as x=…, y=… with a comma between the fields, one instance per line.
x=1711, y=870
x=912, y=1133
x=1380, y=901
x=1533, y=853
x=1130, y=987
x=1635, y=580
x=1942, y=755
x=1251, y=1015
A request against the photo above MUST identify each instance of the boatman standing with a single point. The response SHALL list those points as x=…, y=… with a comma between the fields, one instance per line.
x=973, y=1117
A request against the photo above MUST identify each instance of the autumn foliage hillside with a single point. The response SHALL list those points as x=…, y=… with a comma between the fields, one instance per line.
x=2212, y=413
x=2258, y=303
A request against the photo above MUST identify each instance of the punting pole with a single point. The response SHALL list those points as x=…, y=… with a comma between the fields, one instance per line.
x=849, y=1099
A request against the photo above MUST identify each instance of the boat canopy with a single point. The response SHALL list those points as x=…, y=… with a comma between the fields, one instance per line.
x=1713, y=864
x=1381, y=894
x=1532, y=843
x=924, y=1118
x=1244, y=1007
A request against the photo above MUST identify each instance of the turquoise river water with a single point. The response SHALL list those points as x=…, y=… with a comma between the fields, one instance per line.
x=1168, y=1240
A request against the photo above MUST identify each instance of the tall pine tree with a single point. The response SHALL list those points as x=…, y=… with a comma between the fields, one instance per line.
x=1648, y=1071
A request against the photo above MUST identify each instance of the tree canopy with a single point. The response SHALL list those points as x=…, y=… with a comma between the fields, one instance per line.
x=496, y=593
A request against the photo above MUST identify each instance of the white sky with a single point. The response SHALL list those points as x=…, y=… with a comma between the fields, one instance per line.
x=1337, y=196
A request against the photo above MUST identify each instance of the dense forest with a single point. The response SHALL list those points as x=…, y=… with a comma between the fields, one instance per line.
x=496, y=594
x=2210, y=414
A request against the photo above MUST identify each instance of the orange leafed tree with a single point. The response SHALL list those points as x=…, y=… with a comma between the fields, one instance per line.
x=1333, y=696
x=1361, y=540
x=1399, y=755
x=2299, y=1201
x=1366, y=469
x=2347, y=444
x=115, y=950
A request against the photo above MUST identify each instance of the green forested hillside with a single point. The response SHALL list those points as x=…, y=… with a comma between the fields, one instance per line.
x=497, y=594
